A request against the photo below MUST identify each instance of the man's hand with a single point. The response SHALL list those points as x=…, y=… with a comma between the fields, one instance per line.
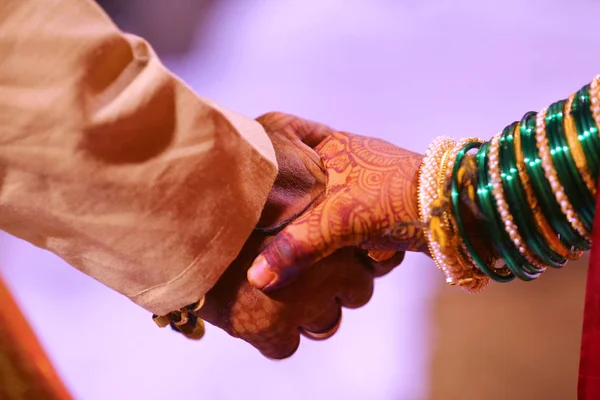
x=312, y=305
x=370, y=202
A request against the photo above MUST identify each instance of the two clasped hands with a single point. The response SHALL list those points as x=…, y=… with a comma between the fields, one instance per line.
x=343, y=211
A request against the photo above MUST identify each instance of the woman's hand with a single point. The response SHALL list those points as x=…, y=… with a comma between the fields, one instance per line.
x=370, y=202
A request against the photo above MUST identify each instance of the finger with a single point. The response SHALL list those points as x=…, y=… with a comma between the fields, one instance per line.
x=380, y=256
x=313, y=236
x=384, y=267
x=320, y=336
x=354, y=279
x=276, y=347
x=309, y=132
x=325, y=324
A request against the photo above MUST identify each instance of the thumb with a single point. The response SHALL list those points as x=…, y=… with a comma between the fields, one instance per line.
x=302, y=243
x=308, y=132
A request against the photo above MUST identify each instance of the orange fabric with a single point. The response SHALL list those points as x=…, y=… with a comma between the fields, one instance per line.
x=116, y=166
x=25, y=372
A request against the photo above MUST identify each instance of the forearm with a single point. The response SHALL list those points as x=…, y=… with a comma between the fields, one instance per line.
x=115, y=165
x=529, y=193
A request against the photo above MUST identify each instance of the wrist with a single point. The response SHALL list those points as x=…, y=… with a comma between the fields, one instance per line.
x=419, y=242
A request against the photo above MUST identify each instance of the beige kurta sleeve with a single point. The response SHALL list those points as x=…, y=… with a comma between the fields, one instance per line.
x=116, y=166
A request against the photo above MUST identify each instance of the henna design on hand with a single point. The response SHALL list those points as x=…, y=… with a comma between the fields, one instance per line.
x=370, y=202
x=312, y=306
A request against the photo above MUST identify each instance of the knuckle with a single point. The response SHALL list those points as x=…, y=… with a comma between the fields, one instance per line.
x=357, y=295
x=275, y=120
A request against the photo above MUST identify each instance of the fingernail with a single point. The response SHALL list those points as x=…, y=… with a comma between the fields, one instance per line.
x=260, y=274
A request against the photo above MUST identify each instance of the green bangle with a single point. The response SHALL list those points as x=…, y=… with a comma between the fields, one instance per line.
x=550, y=208
x=502, y=242
x=528, y=264
x=517, y=202
x=587, y=132
x=455, y=198
x=569, y=177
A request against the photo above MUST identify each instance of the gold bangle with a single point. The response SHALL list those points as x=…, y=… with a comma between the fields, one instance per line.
x=442, y=249
x=595, y=100
x=464, y=256
x=544, y=227
x=575, y=147
x=552, y=176
x=427, y=190
x=502, y=206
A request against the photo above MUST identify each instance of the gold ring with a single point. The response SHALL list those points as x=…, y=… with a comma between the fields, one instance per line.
x=325, y=334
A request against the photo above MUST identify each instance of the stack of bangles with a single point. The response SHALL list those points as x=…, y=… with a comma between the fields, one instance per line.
x=531, y=191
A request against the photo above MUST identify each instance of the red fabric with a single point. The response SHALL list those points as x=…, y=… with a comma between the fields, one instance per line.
x=589, y=365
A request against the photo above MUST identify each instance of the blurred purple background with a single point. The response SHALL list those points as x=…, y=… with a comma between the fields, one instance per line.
x=404, y=70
